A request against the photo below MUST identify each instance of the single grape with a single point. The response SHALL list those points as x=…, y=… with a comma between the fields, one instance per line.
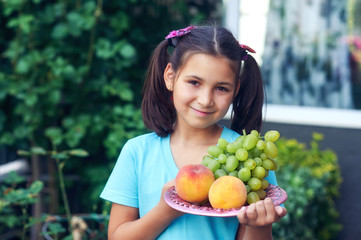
x=231, y=147
x=233, y=173
x=248, y=188
x=231, y=163
x=267, y=164
x=258, y=161
x=250, y=141
x=240, y=165
x=223, y=166
x=254, y=183
x=261, y=193
x=222, y=158
x=240, y=139
x=255, y=133
x=214, y=151
x=222, y=143
x=258, y=172
x=206, y=160
x=266, y=173
x=241, y=154
x=249, y=163
x=256, y=152
x=252, y=197
x=213, y=165
x=271, y=149
x=263, y=156
x=219, y=173
x=260, y=144
x=238, y=144
x=264, y=184
x=244, y=174
x=272, y=135
x=275, y=165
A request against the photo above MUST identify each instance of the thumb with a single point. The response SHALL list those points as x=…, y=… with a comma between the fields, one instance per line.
x=281, y=211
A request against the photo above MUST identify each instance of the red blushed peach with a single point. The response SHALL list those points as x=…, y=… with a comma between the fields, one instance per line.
x=227, y=192
x=192, y=182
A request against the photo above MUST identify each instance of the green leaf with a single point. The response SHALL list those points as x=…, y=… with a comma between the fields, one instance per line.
x=55, y=135
x=14, y=178
x=126, y=94
x=31, y=100
x=33, y=221
x=23, y=153
x=127, y=51
x=78, y=153
x=61, y=155
x=38, y=151
x=22, y=66
x=54, y=228
x=7, y=138
x=104, y=49
x=60, y=31
x=36, y=187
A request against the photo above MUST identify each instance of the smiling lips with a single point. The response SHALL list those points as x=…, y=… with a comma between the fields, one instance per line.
x=201, y=113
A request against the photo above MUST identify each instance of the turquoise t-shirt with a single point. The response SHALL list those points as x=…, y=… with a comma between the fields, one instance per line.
x=144, y=165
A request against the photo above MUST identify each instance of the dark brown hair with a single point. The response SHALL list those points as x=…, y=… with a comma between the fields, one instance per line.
x=158, y=110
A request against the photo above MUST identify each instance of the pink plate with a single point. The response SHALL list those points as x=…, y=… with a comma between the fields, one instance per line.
x=277, y=194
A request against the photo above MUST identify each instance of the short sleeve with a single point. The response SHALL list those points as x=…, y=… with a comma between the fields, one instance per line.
x=122, y=185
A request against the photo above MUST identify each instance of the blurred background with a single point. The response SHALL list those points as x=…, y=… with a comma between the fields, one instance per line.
x=71, y=74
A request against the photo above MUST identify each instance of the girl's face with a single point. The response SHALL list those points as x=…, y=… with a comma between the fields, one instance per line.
x=203, y=90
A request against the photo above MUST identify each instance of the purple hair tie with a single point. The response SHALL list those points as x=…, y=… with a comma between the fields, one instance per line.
x=245, y=51
x=178, y=33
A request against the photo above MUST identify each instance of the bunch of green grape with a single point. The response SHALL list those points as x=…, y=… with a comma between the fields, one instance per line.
x=249, y=157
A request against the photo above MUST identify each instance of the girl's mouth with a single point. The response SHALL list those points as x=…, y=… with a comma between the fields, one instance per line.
x=201, y=113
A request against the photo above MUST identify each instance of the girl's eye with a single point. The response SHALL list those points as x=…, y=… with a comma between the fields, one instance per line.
x=193, y=82
x=222, y=89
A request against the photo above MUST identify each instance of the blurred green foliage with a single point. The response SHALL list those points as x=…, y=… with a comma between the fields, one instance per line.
x=311, y=177
x=73, y=70
x=15, y=202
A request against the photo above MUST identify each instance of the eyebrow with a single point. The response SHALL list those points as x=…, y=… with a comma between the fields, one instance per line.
x=201, y=79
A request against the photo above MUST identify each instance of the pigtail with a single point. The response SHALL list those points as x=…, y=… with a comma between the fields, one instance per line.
x=157, y=107
x=247, y=105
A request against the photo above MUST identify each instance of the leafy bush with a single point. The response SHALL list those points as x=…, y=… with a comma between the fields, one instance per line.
x=15, y=202
x=74, y=69
x=311, y=177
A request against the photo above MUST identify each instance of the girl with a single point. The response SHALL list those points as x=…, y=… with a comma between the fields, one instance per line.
x=185, y=95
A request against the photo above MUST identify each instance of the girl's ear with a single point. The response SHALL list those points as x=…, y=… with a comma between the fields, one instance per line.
x=169, y=77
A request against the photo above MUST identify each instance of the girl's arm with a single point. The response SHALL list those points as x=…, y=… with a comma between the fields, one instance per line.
x=256, y=222
x=124, y=221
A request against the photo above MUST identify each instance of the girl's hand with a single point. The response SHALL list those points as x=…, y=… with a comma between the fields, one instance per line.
x=162, y=204
x=261, y=214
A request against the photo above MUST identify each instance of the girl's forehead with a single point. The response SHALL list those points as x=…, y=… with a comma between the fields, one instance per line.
x=208, y=66
x=198, y=58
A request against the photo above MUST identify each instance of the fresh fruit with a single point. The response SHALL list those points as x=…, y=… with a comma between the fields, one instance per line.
x=227, y=192
x=193, y=182
x=250, y=157
x=252, y=197
x=272, y=135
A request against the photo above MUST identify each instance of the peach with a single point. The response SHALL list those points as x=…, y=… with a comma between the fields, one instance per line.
x=192, y=182
x=227, y=192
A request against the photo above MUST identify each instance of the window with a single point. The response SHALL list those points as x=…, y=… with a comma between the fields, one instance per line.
x=309, y=52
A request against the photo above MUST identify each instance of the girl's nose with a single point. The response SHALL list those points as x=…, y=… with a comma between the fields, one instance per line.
x=205, y=98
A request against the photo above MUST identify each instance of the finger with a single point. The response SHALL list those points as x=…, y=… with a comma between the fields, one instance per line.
x=168, y=185
x=281, y=211
x=242, y=216
x=261, y=210
x=251, y=212
x=270, y=208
